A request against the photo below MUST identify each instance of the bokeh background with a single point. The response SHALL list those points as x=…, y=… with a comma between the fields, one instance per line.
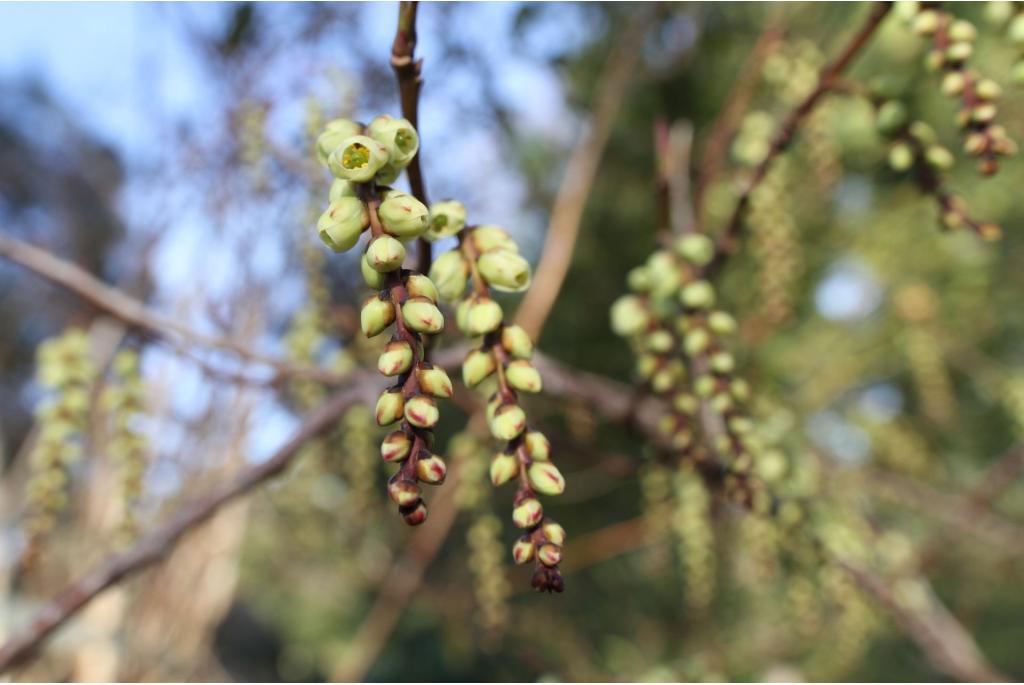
x=166, y=149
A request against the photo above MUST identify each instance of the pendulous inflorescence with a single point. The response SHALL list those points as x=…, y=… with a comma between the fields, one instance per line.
x=363, y=160
x=488, y=259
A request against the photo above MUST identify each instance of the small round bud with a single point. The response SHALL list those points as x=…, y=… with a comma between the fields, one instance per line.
x=371, y=276
x=696, y=342
x=629, y=316
x=395, y=359
x=482, y=316
x=421, y=411
x=659, y=341
x=697, y=295
x=516, y=342
x=376, y=315
x=696, y=248
x=522, y=376
x=422, y=315
x=704, y=386
x=554, y=533
x=403, y=216
x=939, y=157
x=388, y=173
x=390, y=406
x=395, y=446
x=922, y=132
x=509, y=422
x=1015, y=32
x=528, y=513
x=504, y=467
x=962, y=30
x=398, y=136
x=546, y=478
x=434, y=381
x=549, y=554
x=357, y=159
x=638, y=280
x=721, y=323
x=450, y=272
x=446, y=219
x=478, y=365
x=959, y=52
x=926, y=22
x=504, y=271
x=431, y=470
x=522, y=550
x=339, y=189
x=342, y=224
x=402, y=492
x=953, y=83
x=901, y=157
x=685, y=403
x=983, y=113
x=336, y=132
x=490, y=237
x=722, y=363
x=385, y=253
x=418, y=285
x=415, y=514
x=537, y=445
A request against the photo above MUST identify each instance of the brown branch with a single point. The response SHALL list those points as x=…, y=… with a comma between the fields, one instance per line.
x=728, y=241
x=155, y=546
x=136, y=315
x=580, y=172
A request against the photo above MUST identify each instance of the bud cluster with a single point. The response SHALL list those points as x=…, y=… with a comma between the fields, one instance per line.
x=915, y=148
x=65, y=369
x=124, y=400
x=488, y=258
x=362, y=159
x=952, y=46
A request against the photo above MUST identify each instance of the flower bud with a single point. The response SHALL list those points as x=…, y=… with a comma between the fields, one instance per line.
x=554, y=533
x=421, y=411
x=434, y=381
x=722, y=362
x=508, y=422
x=528, y=513
x=901, y=157
x=504, y=467
x=431, y=470
x=704, y=386
x=403, y=216
x=371, y=276
x=388, y=173
x=414, y=514
x=446, y=219
x=546, y=478
x=638, y=280
x=403, y=492
x=522, y=550
x=504, y=271
x=449, y=273
x=959, y=52
x=659, y=341
x=629, y=316
x=696, y=341
x=340, y=189
x=721, y=323
x=685, y=403
x=336, y=132
x=891, y=117
x=385, y=253
x=696, y=248
x=537, y=445
x=926, y=22
x=376, y=315
x=962, y=30
x=483, y=315
x=953, y=83
x=418, y=285
x=478, y=365
x=490, y=237
x=522, y=376
x=422, y=315
x=549, y=555
x=922, y=132
x=389, y=407
x=357, y=159
x=395, y=446
x=395, y=359
x=397, y=135
x=697, y=295
x=516, y=342
x=342, y=224
x=492, y=406
x=939, y=157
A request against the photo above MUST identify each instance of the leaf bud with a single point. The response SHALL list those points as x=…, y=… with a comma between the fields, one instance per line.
x=508, y=422
x=342, y=224
x=528, y=513
x=395, y=359
x=516, y=342
x=376, y=315
x=434, y=381
x=478, y=365
x=504, y=467
x=446, y=219
x=357, y=159
x=504, y=271
x=422, y=315
x=522, y=550
x=431, y=470
x=696, y=248
x=395, y=446
x=389, y=407
x=522, y=376
x=397, y=135
x=336, y=132
x=421, y=411
x=403, y=216
x=546, y=478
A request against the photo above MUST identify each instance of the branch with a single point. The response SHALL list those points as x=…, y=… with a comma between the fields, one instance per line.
x=155, y=546
x=728, y=242
x=580, y=171
x=136, y=315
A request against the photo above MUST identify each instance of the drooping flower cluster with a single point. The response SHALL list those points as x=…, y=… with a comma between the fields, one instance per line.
x=363, y=159
x=952, y=46
x=487, y=258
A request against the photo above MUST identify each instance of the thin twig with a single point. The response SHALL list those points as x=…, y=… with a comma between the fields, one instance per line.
x=580, y=172
x=155, y=546
x=728, y=241
x=136, y=315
